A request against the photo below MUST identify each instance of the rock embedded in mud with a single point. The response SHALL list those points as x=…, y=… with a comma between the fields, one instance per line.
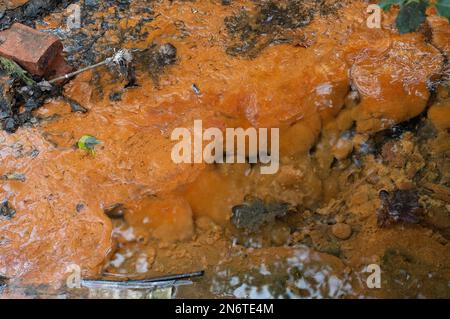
x=254, y=212
x=280, y=234
x=115, y=211
x=79, y=207
x=399, y=206
x=10, y=125
x=439, y=114
x=341, y=231
x=6, y=212
x=115, y=96
x=196, y=89
x=342, y=149
x=75, y=106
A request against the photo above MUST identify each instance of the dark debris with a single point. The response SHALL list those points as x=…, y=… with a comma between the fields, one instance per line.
x=86, y=45
x=30, y=12
x=271, y=22
x=3, y=282
x=6, y=212
x=74, y=105
x=115, y=211
x=399, y=206
x=13, y=95
x=255, y=212
x=155, y=59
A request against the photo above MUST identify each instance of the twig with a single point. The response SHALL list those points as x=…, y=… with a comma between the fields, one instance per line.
x=121, y=58
x=69, y=75
x=144, y=283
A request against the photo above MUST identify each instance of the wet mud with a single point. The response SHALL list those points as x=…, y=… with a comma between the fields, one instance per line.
x=364, y=176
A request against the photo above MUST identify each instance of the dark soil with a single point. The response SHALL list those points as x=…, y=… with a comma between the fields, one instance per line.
x=271, y=22
x=6, y=211
x=30, y=12
x=400, y=206
x=13, y=95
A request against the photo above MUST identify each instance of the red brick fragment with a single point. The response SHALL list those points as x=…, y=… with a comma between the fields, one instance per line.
x=59, y=67
x=35, y=51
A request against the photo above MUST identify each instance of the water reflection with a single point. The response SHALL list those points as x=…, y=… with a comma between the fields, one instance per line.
x=303, y=275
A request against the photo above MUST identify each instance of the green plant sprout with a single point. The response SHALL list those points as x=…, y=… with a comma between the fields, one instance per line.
x=88, y=143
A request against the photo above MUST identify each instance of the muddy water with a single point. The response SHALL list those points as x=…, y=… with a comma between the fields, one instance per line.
x=338, y=91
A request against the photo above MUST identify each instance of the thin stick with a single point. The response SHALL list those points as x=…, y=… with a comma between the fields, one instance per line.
x=122, y=57
x=170, y=280
x=69, y=75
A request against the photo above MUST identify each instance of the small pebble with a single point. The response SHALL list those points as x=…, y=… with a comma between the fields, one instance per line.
x=342, y=149
x=9, y=125
x=196, y=89
x=115, y=211
x=79, y=207
x=6, y=212
x=341, y=231
x=352, y=99
x=280, y=235
x=115, y=96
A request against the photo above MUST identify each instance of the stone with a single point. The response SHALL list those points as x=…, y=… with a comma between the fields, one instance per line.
x=341, y=231
x=342, y=149
x=6, y=211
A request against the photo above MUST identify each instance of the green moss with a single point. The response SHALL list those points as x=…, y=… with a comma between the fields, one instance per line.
x=14, y=70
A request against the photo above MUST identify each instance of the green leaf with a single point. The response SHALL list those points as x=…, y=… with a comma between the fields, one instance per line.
x=387, y=4
x=88, y=143
x=443, y=8
x=411, y=16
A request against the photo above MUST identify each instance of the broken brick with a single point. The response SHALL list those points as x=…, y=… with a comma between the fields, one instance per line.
x=58, y=68
x=33, y=50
